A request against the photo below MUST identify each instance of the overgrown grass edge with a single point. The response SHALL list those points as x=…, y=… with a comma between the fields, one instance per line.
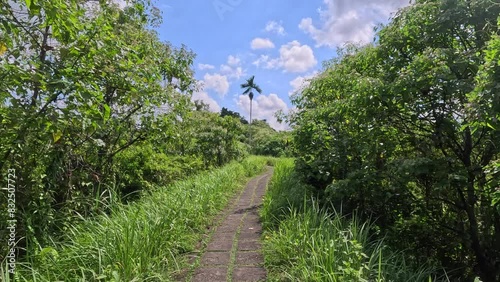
x=142, y=241
x=304, y=242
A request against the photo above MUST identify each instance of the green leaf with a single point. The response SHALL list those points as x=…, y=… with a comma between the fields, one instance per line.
x=56, y=136
x=3, y=48
x=107, y=112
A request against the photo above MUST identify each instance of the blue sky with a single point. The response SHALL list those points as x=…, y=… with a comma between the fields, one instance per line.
x=281, y=42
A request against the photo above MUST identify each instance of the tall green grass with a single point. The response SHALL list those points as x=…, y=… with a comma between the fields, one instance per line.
x=304, y=242
x=284, y=193
x=142, y=241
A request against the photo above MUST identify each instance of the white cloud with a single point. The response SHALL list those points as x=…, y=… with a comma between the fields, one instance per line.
x=294, y=57
x=232, y=72
x=275, y=27
x=350, y=21
x=225, y=69
x=205, y=67
x=301, y=82
x=261, y=43
x=233, y=61
x=264, y=107
x=217, y=82
x=232, y=69
x=203, y=96
x=266, y=62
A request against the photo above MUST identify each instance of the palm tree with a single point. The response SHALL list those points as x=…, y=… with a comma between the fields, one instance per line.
x=250, y=85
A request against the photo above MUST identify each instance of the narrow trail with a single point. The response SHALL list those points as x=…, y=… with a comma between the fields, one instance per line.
x=234, y=251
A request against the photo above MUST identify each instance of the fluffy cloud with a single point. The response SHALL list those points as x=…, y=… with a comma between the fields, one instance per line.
x=294, y=57
x=233, y=61
x=233, y=68
x=261, y=43
x=350, y=20
x=275, y=27
x=121, y=3
x=264, y=107
x=232, y=72
x=203, y=96
x=205, y=67
x=217, y=82
x=266, y=62
x=301, y=82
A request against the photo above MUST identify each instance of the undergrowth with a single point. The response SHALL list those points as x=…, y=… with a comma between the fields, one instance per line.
x=305, y=242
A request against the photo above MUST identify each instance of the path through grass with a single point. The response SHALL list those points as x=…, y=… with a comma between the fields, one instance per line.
x=142, y=241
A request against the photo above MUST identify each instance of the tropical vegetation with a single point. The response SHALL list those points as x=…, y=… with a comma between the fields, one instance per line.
x=396, y=154
x=306, y=242
x=406, y=132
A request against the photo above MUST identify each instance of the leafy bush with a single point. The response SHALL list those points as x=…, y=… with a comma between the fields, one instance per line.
x=142, y=168
x=268, y=142
x=94, y=88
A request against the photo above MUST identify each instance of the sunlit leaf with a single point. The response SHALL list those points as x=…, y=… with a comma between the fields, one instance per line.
x=56, y=136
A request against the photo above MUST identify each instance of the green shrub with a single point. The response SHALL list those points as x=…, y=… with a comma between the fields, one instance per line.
x=141, y=168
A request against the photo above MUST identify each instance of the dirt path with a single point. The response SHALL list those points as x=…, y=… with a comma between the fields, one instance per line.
x=233, y=254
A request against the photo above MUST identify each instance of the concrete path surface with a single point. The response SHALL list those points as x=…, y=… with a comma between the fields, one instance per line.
x=233, y=254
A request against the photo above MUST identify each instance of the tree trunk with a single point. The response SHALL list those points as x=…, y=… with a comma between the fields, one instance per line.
x=486, y=267
x=250, y=123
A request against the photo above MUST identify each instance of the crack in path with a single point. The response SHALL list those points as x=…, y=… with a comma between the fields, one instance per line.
x=234, y=252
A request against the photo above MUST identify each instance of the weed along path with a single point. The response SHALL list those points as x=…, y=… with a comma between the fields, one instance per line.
x=233, y=252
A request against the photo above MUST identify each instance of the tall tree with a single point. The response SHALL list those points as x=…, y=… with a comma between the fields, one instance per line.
x=250, y=85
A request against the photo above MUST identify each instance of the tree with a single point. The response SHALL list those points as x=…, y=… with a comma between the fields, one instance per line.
x=250, y=85
x=226, y=112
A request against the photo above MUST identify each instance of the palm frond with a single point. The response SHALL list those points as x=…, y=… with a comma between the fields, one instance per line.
x=249, y=85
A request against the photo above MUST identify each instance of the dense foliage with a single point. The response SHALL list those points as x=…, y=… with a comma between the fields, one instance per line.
x=303, y=242
x=265, y=140
x=269, y=142
x=406, y=131
x=94, y=109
